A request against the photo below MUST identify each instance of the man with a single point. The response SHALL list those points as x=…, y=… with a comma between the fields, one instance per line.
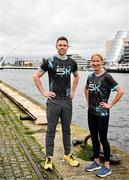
x=59, y=98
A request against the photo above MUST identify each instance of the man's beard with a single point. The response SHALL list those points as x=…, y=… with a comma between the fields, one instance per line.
x=62, y=52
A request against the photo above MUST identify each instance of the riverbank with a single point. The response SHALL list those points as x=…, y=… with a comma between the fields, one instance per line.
x=120, y=171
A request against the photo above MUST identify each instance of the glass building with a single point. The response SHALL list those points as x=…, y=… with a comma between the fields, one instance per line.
x=117, y=50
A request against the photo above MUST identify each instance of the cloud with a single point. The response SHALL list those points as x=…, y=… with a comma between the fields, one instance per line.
x=37, y=24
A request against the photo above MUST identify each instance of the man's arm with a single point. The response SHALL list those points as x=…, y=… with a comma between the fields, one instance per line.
x=86, y=92
x=74, y=83
x=37, y=75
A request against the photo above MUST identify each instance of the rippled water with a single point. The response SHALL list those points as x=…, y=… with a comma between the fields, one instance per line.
x=119, y=117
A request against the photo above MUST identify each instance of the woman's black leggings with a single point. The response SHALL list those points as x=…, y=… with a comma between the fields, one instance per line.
x=98, y=126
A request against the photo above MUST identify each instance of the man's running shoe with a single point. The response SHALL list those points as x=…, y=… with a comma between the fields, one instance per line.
x=70, y=160
x=93, y=166
x=48, y=163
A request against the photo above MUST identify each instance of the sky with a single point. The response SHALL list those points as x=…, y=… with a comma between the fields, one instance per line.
x=31, y=27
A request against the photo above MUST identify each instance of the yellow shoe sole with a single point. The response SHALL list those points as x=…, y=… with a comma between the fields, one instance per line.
x=74, y=165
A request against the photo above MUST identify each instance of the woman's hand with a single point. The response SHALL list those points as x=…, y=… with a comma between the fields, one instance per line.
x=105, y=105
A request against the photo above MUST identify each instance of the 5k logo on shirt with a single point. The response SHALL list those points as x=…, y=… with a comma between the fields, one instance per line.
x=62, y=71
x=94, y=87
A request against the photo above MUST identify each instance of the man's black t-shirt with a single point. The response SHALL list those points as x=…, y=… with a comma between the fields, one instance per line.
x=99, y=88
x=59, y=72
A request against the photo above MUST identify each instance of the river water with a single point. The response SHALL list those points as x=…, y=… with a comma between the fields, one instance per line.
x=118, y=133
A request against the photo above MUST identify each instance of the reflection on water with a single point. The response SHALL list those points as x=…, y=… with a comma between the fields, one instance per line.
x=119, y=116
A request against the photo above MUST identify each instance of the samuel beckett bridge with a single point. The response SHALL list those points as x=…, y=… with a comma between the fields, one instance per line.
x=13, y=67
x=3, y=59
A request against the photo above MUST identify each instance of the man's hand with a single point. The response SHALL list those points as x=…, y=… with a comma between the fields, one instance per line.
x=72, y=94
x=49, y=94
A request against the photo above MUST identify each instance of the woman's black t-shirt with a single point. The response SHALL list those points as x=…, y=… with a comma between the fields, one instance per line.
x=99, y=88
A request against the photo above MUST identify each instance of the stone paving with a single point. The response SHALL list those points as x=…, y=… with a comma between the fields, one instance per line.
x=13, y=162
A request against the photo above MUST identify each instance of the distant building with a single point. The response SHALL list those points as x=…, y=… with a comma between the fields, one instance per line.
x=28, y=63
x=126, y=50
x=19, y=62
x=81, y=62
x=117, y=50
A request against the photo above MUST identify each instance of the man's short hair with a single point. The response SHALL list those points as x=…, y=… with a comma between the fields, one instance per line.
x=61, y=39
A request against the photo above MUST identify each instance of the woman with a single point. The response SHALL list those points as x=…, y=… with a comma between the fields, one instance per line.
x=97, y=91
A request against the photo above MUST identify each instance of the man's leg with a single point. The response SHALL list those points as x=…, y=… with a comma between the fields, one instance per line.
x=66, y=116
x=53, y=113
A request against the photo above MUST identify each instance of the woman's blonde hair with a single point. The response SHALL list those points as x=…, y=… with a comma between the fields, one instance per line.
x=97, y=54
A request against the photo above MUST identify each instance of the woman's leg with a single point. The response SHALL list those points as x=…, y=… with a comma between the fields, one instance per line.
x=103, y=131
x=93, y=127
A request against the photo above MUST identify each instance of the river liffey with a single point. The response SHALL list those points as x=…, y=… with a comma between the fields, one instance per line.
x=118, y=133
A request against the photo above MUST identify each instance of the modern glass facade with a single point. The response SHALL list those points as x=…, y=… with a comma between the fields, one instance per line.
x=117, y=49
x=126, y=51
